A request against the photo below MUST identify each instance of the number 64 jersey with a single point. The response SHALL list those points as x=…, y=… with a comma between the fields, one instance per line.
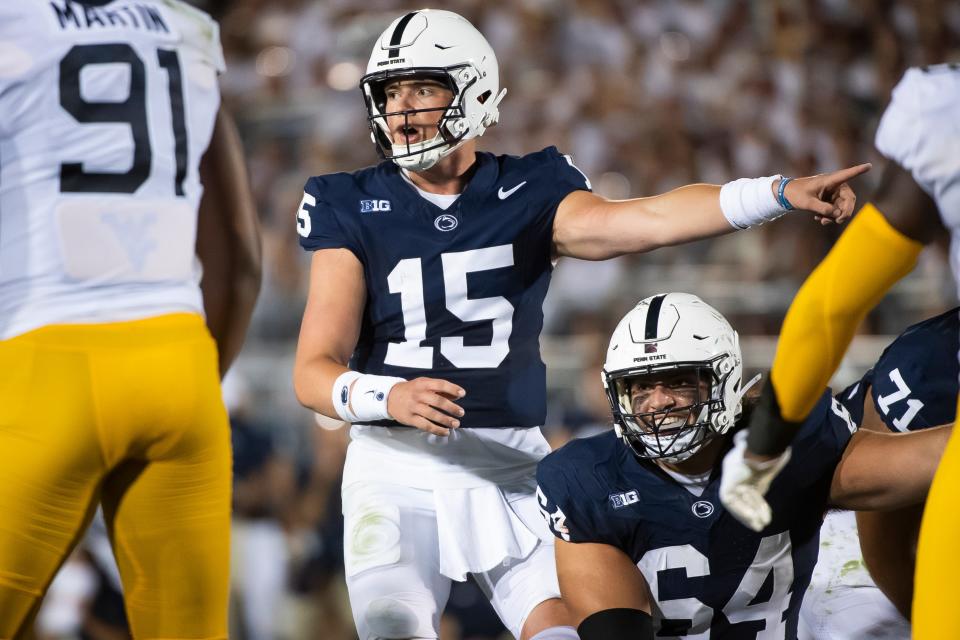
x=709, y=576
x=453, y=293
x=107, y=109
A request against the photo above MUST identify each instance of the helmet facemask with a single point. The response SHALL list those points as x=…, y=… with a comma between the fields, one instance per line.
x=451, y=126
x=445, y=47
x=675, y=433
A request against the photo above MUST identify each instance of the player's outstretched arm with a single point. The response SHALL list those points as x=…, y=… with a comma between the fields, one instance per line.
x=228, y=241
x=887, y=470
x=328, y=336
x=604, y=591
x=591, y=227
x=878, y=249
x=874, y=252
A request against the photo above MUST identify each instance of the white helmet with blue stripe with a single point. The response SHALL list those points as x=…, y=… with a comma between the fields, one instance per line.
x=443, y=46
x=669, y=333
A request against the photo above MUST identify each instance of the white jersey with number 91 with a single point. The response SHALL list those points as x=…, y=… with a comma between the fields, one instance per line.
x=107, y=110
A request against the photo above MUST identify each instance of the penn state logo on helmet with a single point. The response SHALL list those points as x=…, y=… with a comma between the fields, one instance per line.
x=666, y=334
x=440, y=46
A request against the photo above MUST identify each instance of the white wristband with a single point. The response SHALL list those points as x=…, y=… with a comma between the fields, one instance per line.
x=750, y=201
x=359, y=397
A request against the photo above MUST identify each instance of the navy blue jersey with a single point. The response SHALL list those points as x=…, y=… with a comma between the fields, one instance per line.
x=914, y=384
x=455, y=294
x=709, y=575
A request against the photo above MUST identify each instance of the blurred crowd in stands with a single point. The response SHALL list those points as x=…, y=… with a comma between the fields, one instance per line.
x=646, y=95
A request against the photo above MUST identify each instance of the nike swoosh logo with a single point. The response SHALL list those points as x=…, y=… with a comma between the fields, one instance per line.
x=503, y=195
x=444, y=48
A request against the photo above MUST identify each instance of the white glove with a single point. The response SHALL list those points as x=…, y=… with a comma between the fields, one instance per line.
x=743, y=483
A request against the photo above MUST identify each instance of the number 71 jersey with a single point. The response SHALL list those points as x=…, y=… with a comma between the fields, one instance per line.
x=452, y=293
x=107, y=110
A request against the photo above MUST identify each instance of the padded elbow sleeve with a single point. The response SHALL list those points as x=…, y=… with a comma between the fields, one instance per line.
x=866, y=261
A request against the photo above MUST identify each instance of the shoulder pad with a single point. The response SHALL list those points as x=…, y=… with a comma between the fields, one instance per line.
x=921, y=101
x=198, y=31
x=340, y=190
x=560, y=169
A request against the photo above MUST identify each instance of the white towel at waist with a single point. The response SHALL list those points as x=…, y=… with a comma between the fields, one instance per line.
x=480, y=527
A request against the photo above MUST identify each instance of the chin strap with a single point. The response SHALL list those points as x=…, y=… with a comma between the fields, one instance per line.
x=494, y=116
x=743, y=390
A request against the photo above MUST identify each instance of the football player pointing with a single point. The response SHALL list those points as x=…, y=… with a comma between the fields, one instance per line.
x=644, y=544
x=425, y=308
x=919, y=195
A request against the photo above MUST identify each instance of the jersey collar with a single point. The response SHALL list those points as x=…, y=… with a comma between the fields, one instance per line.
x=484, y=178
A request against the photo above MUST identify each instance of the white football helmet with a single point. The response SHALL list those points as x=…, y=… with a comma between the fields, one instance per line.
x=443, y=46
x=668, y=333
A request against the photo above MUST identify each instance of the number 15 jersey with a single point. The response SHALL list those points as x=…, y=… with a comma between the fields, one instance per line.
x=452, y=293
x=107, y=110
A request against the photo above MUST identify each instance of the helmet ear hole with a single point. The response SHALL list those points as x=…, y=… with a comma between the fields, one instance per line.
x=483, y=97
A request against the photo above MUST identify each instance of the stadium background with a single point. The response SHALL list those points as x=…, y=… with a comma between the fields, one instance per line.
x=646, y=96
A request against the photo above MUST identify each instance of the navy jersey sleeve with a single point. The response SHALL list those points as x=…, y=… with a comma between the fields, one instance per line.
x=573, y=498
x=914, y=383
x=816, y=451
x=556, y=505
x=320, y=223
x=565, y=502
x=565, y=178
x=852, y=397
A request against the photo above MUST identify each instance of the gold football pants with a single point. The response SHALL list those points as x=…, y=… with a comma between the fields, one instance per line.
x=936, y=590
x=128, y=415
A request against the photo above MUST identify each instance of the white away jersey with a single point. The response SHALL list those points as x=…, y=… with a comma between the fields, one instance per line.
x=920, y=131
x=107, y=110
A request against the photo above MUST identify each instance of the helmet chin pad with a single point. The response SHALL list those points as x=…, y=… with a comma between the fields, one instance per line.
x=673, y=433
x=420, y=156
x=645, y=434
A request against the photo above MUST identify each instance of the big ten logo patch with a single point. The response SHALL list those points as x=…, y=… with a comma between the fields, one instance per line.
x=620, y=500
x=374, y=206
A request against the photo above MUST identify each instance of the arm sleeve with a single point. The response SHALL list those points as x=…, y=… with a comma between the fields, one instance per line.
x=867, y=260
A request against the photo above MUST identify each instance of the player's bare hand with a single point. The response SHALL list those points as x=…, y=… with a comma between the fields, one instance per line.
x=427, y=404
x=827, y=195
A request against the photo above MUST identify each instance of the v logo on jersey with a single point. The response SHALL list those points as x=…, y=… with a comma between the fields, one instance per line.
x=503, y=195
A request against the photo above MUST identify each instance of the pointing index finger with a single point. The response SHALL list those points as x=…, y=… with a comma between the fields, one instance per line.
x=843, y=175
